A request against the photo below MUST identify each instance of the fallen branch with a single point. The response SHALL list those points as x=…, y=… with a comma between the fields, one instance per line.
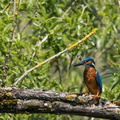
x=14, y=100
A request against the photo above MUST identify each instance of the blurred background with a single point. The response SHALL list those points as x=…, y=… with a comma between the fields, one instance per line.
x=42, y=28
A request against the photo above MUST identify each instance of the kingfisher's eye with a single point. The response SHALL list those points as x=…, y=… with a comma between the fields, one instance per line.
x=87, y=60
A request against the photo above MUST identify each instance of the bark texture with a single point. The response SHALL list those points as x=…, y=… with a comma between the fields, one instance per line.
x=15, y=100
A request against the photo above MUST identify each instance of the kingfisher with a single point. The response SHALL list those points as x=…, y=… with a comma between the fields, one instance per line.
x=92, y=78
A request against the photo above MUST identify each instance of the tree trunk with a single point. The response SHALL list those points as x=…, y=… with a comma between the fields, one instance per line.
x=15, y=100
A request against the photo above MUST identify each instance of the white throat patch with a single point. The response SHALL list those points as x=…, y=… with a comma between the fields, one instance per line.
x=93, y=64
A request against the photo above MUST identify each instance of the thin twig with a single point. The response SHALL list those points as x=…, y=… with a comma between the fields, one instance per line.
x=49, y=59
x=69, y=8
x=104, y=51
x=34, y=13
x=12, y=37
x=7, y=6
x=59, y=71
x=93, y=10
x=38, y=43
x=26, y=25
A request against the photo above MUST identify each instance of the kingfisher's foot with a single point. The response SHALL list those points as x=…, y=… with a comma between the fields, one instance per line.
x=86, y=93
x=96, y=96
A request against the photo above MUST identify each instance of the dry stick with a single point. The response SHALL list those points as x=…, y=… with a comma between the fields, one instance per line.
x=58, y=54
x=12, y=37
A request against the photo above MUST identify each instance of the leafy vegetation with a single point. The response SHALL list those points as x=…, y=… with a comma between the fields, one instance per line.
x=43, y=28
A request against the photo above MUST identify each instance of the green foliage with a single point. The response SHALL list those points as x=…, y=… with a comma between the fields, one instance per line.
x=113, y=92
x=46, y=27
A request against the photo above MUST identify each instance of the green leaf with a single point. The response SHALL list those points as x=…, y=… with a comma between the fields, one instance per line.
x=114, y=84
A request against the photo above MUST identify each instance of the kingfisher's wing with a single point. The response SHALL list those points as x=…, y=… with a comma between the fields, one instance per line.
x=99, y=80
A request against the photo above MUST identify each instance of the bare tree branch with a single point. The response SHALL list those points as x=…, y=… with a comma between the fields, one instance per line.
x=14, y=100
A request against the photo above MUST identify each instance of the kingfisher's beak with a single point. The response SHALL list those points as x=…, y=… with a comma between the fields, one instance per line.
x=81, y=63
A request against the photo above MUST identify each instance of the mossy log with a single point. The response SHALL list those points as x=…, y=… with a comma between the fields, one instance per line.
x=16, y=100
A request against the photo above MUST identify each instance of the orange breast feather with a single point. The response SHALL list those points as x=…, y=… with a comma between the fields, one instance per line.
x=91, y=81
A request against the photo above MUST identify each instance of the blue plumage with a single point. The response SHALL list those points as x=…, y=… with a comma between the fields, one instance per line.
x=88, y=59
x=99, y=80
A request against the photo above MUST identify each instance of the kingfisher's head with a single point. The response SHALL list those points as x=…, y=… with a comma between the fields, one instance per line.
x=87, y=62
